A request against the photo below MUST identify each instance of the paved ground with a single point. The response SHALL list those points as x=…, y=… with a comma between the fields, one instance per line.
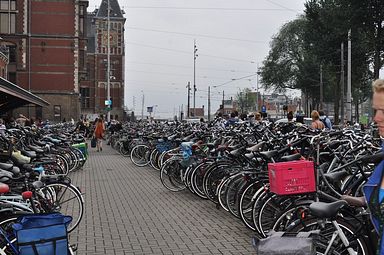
x=128, y=211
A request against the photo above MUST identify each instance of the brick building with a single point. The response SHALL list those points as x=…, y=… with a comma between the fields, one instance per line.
x=46, y=42
x=93, y=86
x=3, y=61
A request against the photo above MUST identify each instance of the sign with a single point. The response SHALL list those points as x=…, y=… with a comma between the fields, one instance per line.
x=150, y=109
x=108, y=102
x=263, y=108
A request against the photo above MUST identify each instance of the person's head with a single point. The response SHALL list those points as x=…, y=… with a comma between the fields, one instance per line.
x=100, y=120
x=300, y=119
x=233, y=114
x=378, y=104
x=257, y=116
x=321, y=113
x=315, y=115
x=290, y=116
x=243, y=116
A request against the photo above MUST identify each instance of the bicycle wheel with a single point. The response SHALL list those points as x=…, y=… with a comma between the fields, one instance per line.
x=247, y=200
x=64, y=198
x=140, y=155
x=171, y=175
x=8, y=246
x=153, y=158
x=197, y=179
x=356, y=241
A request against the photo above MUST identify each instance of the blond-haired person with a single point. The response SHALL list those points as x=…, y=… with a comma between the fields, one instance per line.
x=316, y=122
x=374, y=188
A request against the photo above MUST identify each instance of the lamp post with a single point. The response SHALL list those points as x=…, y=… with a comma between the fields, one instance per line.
x=194, y=77
x=109, y=63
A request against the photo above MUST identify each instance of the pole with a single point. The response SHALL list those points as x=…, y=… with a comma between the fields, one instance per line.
x=342, y=85
x=209, y=103
x=349, y=96
x=223, y=102
x=109, y=63
x=257, y=89
x=189, y=98
x=142, y=107
x=321, y=87
x=29, y=53
x=194, y=78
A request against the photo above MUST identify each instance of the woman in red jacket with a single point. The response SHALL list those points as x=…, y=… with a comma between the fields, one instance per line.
x=99, y=133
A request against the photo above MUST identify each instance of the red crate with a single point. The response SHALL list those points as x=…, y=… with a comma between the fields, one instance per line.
x=293, y=177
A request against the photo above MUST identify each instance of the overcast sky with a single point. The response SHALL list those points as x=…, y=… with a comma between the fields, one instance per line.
x=232, y=38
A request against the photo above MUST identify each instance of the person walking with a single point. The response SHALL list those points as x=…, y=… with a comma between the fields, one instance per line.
x=99, y=133
x=316, y=122
x=374, y=188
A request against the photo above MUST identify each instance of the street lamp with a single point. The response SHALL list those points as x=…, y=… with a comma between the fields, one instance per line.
x=109, y=62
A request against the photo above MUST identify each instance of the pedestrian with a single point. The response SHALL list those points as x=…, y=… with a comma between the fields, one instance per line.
x=99, y=134
x=324, y=118
x=299, y=120
x=2, y=127
x=258, y=117
x=316, y=122
x=374, y=188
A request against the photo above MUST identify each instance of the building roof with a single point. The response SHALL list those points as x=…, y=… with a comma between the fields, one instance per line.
x=13, y=96
x=115, y=9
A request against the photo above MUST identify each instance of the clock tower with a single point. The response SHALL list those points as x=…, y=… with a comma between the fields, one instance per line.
x=94, y=88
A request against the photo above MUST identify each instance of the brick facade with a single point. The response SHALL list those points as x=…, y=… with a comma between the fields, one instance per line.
x=94, y=84
x=47, y=51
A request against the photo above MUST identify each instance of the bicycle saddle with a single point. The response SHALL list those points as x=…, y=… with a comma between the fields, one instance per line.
x=256, y=147
x=336, y=176
x=269, y=154
x=326, y=210
x=6, y=166
x=292, y=157
x=4, y=188
x=30, y=154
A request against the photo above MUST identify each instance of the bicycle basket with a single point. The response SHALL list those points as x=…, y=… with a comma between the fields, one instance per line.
x=293, y=177
x=42, y=234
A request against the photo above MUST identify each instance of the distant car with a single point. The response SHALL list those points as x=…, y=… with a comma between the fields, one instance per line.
x=192, y=120
x=307, y=121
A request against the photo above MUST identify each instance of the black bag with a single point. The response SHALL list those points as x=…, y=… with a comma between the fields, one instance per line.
x=93, y=142
x=279, y=243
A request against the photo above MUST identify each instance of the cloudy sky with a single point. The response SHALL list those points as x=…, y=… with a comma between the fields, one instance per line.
x=232, y=39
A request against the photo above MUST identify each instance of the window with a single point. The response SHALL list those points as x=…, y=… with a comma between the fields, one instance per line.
x=81, y=25
x=57, y=112
x=7, y=23
x=12, y=77
x=11, y=53
x=7, y=16
x=39, y=112
x=85, y=97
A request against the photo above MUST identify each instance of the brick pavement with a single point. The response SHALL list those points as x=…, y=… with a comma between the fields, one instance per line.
x=128, y=211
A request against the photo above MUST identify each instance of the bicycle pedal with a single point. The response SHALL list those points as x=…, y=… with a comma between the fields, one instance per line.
x=74, y=247
x=218, y=206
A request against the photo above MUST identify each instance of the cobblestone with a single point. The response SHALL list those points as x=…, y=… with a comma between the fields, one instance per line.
x=128, y=211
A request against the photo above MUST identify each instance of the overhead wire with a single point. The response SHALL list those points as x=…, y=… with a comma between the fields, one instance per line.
x=195, y=35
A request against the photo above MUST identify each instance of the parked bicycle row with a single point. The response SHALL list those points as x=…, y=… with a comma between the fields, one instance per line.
x=36, y=191
x=273, y=177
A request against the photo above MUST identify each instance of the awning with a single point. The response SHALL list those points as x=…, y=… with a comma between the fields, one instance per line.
x=13, y=96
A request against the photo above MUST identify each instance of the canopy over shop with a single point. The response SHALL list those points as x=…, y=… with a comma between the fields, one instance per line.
x=13, y=96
